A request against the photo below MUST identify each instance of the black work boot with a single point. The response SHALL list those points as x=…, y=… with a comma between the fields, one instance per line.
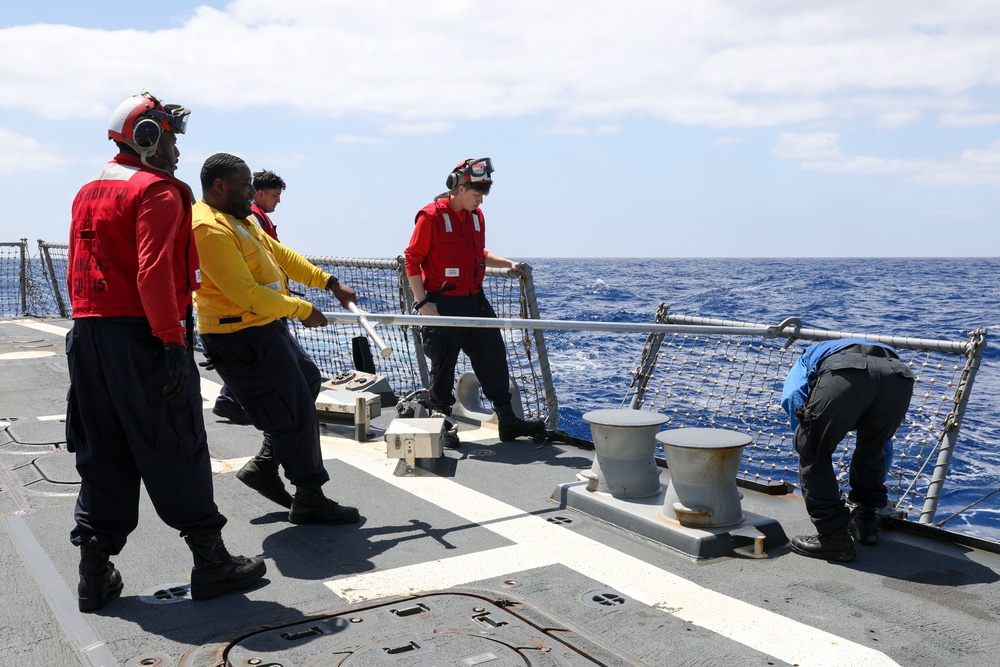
x=311, y=506
x=261, y=475
x=216, y=572
x=232, y=412
x=449, y=438
x=512, y=428
x=99, y=580
x=836, y=546
x=864, y=525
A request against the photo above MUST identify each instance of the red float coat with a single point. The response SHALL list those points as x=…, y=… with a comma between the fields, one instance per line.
x=448, y=247
x=131, y=250
x=265, y=222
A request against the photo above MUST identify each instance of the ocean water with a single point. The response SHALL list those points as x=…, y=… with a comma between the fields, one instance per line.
x=921, y=298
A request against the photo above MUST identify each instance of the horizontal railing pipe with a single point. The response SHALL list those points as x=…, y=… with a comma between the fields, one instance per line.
x=519, y=323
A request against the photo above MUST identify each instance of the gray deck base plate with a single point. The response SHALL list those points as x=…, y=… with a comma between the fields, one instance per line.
x=642, y=517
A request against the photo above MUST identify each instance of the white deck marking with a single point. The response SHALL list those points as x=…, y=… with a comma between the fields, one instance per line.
x=209, y=389
x=209, y=392
x=442, y=573
x=538, y=542
x=40, y=326
x=27, y=354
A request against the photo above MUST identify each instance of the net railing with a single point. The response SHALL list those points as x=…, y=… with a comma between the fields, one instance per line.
x=735, y=382
x=26, y=282
x=714, y=380
x=35, y=287
x=382, y=287
x=13, y=279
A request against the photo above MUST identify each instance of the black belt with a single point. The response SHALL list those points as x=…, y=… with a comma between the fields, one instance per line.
x=231, y=320
x=871, y=351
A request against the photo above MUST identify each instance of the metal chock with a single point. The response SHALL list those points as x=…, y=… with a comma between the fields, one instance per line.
x=755, y=550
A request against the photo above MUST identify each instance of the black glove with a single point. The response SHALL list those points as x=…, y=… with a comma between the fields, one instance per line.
x=209, y=364
x=178, y=371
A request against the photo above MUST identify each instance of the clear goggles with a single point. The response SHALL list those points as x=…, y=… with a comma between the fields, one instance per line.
x=479, y=169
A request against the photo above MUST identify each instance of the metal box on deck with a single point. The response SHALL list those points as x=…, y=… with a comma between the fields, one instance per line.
x=414, y=438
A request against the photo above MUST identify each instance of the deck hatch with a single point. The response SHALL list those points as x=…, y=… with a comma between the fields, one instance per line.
x=432, y=630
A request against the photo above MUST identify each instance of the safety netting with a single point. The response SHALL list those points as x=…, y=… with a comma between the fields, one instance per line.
x=734, y=381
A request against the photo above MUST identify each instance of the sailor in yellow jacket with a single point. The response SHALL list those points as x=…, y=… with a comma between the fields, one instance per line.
x=241, y=304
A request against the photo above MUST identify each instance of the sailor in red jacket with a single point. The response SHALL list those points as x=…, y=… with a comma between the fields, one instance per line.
x=134, y=413
x=446, y=261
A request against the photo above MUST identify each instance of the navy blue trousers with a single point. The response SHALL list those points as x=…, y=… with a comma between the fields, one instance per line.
x=277, y=384
x=853, y=390
x=123, y=432
x=484, y=347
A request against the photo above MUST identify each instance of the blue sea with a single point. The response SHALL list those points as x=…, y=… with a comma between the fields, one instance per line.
x=920, y=298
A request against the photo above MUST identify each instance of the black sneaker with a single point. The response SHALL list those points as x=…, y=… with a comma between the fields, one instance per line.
x=232, y=412
x=311, y=506
x=262, y=476
x=833, y=546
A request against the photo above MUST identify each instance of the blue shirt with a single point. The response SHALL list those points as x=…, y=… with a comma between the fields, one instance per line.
x=800, y=379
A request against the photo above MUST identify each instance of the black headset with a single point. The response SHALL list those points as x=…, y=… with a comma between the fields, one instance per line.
x=146, y=132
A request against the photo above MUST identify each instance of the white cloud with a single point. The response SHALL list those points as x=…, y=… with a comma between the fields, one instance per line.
x=958, y=119
x=897, y=119
x=820, y=152
x=19, y=153
x=812, y=146
x=709, y=63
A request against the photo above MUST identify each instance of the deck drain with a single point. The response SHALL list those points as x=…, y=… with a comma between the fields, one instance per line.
x=605, y=598
x=168, y=594
x=482, y=452
x=563, y=520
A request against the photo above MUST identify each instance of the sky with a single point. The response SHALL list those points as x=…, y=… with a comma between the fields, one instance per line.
x=687, y=128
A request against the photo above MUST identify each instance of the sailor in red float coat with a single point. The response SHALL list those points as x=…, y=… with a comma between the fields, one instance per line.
x=134, y=407
x=448, y=249
x=122, y=221
x=446, y=261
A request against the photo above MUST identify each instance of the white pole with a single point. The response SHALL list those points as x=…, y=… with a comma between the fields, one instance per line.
x=383, y=349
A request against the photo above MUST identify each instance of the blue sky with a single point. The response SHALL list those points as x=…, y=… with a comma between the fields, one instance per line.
x=694, y=128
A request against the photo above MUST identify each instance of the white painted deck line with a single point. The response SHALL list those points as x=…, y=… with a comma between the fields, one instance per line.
x=209, y=389
x=440, y=574
x=39, y=326
x=27, y=354
x=760, y=629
